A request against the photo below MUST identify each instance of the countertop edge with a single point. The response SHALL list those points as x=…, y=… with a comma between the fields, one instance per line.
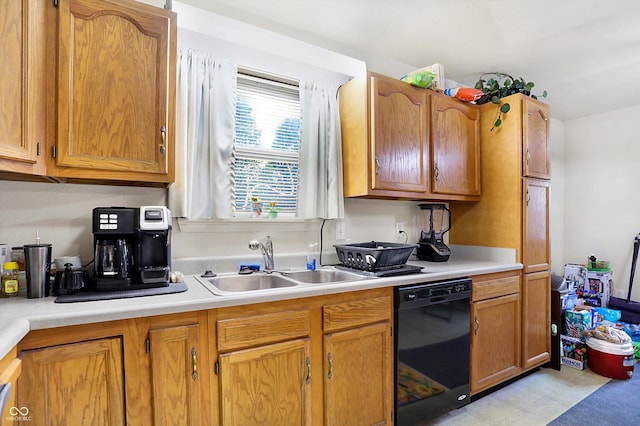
x=197, y=297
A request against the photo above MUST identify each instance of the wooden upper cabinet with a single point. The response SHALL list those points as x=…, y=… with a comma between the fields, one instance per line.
x=535, y=137
x=22, y=86
x=455, y=142
x=399, y=141
x=392, y=139
x=536, y=254
x=115, y=91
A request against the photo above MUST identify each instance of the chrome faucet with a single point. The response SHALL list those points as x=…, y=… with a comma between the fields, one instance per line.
x=267, y=252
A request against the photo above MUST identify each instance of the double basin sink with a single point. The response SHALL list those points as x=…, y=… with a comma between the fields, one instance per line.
x=230, y=284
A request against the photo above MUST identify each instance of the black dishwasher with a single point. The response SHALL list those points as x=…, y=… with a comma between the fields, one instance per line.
x=433, y=324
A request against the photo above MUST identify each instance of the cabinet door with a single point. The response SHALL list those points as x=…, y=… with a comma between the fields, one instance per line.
x=114, y=97
x=175, y=375
x=535, y=125
x=536, y=319
x=536, y=251
x=455, y=129
x=399, y=136
x=78, y=383
x=359, y=376
x=267, y=385
x=10, y=369
x=22, y=86
x=495, y=341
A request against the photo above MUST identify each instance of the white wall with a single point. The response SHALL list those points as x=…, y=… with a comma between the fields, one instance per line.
x=62, y=215
x=62, y=212
x=556, y=208
x=601, y=202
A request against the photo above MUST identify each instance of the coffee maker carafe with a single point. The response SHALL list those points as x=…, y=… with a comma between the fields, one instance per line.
x=112, y=258
x=437, y=222
x=132, y=247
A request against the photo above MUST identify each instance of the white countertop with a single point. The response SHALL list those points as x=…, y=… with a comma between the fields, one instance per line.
x=19, y=315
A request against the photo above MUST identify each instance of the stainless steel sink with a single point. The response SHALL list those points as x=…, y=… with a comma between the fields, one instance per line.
x=245, y=283
x=323, y=276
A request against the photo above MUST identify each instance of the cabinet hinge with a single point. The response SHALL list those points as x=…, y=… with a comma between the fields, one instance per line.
x=147, y=345
x=216, y=368
x=38, y=149
x=54, y=151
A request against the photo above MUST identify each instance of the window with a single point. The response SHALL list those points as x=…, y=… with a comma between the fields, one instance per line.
x=267, y=142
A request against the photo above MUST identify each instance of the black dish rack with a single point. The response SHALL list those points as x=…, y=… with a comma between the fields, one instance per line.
x=374, y=256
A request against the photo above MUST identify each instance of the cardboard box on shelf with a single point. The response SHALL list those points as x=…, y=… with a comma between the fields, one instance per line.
x=573, y=352
x=575, y=276
x=593, y=287
x=578, y=320
x=597, y=288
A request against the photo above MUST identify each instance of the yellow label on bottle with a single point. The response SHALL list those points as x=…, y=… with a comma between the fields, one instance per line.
x=10, y=286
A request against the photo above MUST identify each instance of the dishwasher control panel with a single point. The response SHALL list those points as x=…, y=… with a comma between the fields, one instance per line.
x=436, y=292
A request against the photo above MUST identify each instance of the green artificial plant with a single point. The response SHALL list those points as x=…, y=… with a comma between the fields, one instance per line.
x=501, y=85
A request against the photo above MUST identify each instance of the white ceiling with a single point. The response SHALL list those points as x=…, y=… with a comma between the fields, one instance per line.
x=585, y=53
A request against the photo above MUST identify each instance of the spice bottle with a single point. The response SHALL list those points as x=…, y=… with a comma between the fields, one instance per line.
x=10, y=275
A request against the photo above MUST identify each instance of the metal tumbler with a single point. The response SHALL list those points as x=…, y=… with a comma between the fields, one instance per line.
x=37, y=259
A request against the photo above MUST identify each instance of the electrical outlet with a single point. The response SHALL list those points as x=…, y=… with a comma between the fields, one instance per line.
x=399, y=227
x=341, y=233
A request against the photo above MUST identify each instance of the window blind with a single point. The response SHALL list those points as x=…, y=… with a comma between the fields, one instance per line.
x=267, y=143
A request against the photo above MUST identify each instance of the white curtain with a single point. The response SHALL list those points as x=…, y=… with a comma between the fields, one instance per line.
x=205, y=117
x=320, y=170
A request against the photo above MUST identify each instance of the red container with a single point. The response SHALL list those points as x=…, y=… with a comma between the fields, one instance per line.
x=612, y=360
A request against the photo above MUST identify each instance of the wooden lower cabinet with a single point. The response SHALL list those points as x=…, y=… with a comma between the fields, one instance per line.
x=357, y=386
x=319, y=360
x=267, y=385
x=536, y=319
x=168, y=370
x=10, y=370
x=176, y=391
x=496, y=334
x=76, y=383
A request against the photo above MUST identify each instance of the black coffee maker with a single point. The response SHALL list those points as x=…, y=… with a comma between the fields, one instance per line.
x=132, y=247
x=437, y=222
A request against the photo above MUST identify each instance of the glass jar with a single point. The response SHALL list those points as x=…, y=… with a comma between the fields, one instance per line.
x=9, y=286
x=17, y=255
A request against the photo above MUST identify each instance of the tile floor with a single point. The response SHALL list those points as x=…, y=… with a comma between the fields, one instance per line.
x=534, y=400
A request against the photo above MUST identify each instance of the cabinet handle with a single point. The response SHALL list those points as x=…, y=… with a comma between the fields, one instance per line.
x=308, y=379
x=377, y=165
x=528, y=156
x=475, y=330
x=163, y=137
x=194, y=360
x=528, y=197
x=436, y=172
x=542, y=114
x=330, y=359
